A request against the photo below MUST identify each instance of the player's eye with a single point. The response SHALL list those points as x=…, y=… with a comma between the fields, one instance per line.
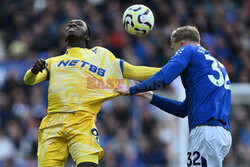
x=79, y=24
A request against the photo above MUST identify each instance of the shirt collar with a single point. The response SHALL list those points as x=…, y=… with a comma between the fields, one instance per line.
x=73, y=50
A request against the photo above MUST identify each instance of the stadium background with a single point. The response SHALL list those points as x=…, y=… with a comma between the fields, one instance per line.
x=133, y=133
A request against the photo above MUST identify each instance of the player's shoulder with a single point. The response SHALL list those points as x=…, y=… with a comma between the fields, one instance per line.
x=99, y=49
x=188, y=50
x=201, y=50
x=184, y=50
x=49, y=59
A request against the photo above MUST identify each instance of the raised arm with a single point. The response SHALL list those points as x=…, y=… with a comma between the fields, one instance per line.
x=167, y=74
x=37, y=73
x=164, y=77
x=138, y=72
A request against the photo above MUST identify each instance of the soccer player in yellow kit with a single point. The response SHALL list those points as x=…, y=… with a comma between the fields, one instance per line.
x=79, y=82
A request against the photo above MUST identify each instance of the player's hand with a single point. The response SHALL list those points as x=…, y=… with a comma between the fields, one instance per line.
x=146, y=95
x=122, y=90
x=39, y=66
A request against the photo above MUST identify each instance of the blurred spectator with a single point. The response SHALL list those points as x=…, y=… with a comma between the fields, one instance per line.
x=7, y=147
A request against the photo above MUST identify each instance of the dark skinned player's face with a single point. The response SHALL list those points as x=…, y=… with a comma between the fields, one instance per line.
x=76, y=30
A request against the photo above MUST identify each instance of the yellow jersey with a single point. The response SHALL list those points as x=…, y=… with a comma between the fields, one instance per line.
x=82, y=79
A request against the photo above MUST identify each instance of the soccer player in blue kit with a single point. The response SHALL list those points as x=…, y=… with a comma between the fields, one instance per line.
x=208, y=97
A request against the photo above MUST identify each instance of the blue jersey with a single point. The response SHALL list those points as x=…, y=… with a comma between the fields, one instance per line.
x=207, y=85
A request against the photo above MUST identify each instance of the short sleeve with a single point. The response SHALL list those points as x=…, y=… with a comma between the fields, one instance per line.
x=183, y=56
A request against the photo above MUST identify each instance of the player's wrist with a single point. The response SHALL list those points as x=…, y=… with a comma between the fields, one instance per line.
x=149, y=96
x=131, y=91
x=153, y=98
x=146, y=95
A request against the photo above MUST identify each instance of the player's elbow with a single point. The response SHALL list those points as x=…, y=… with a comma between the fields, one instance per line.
x=182, y=116
x=182, y=113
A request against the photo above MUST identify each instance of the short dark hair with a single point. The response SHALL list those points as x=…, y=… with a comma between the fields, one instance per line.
x=189, y=33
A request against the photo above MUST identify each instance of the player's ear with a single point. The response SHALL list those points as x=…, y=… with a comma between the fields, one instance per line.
x=87, y=38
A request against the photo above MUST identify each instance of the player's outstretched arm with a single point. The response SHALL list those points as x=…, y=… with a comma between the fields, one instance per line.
x=138, y=72
x=174, y=107
x=167, y=74
x=37, y=73
x=162, y=78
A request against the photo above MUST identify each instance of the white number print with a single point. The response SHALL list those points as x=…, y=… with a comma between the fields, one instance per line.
x=220, y=81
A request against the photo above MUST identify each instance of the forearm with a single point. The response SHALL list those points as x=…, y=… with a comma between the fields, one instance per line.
x=138, y=72
x=162, y=78
x=30, y=78
x=170, y=106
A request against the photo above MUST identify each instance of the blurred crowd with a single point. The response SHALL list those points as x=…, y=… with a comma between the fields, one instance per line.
x=132, y=132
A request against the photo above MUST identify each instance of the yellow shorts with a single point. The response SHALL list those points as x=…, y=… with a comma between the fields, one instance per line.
x=64, y=133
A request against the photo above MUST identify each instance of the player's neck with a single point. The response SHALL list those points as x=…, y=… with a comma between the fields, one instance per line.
x=195, y=44
x=80, y=44
x=192, y=43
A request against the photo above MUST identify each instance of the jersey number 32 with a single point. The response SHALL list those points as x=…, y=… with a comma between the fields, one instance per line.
x=220, y=81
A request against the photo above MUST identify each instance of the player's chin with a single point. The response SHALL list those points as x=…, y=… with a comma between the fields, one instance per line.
x=71, y=33
x=71, y=36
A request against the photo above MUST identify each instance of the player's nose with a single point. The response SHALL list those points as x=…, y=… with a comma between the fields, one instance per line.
x=72, y=24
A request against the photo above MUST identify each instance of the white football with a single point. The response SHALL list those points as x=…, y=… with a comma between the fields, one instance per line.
x=138, y=20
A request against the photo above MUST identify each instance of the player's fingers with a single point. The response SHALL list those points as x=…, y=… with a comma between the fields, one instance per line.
x=38, y=66
x=139, y=94
x=42, y=60
x=115, y=89
x=137, y=82
x=44, y=63
x=41, y=64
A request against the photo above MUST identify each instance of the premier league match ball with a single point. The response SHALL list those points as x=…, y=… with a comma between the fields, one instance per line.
x=138, y=20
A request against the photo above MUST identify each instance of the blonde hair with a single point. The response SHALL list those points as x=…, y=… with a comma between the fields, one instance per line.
x=189, y=33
